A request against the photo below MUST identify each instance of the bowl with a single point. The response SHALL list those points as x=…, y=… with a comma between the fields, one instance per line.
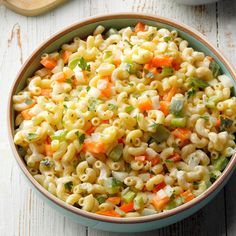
x=196, y=2
x=83, y=29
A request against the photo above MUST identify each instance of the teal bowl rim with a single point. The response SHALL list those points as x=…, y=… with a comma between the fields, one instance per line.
x=126, y=15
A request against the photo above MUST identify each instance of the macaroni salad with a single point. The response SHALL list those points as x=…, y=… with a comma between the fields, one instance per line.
x=126, y=123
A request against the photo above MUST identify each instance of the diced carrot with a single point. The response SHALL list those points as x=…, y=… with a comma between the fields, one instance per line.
x=127, y=207
x=164, y=107
x=61, y=78
x=48, y=150
x=65, y=56
x=95, y=147
x=154, y=160
x=145, y=105
x=176, y=63
x=26, y=115
x=140, y=158
x=105, y=122
x=159, y=204
x=46, y=92
x=48, y=140
x=91, y=130
x=160, y=61
x=159, y=187
x=148, y=66
x=112, y=213
x=117, y=61
x=106, y=92
x=139, y=27
x=168, y=96
x=48, y=63
x=182, y=133
x=187, y=196
x=218, y=122
x=175, y=157
x=114, y=200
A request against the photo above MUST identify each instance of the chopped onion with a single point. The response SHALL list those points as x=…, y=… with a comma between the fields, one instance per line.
x=161, y=194
x=119, y=175
x=102, y=84
x=94, y=92
x=226, y=81
x=155, y=102
x=151, y=153
x=169, y=190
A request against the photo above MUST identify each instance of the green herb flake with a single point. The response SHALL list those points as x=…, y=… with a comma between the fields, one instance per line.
x=83, y=64
x=215, y=69
x=225, y=123
x=88, y=88
x=112, y=106
x=32, y=136
x=169, y=161
x=197, y=83
x=167, y=39
x=68, y=186
x=81, y=137
x=29, y=101
x=128, y=109
x=93, y=103
x=47, y=163
x=65, y=106
x=101, y=199
x=191, y=93
x=131, y=45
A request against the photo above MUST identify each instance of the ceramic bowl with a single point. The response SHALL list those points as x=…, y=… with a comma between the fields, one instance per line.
x=83, y=29
x=196, y=2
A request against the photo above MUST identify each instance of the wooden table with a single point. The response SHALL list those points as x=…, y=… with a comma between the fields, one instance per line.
x=21, y=211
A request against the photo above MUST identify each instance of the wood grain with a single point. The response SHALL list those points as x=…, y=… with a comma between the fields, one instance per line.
x=25, y=214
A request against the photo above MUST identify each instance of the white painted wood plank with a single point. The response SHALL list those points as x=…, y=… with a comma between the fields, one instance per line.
x=227, y=44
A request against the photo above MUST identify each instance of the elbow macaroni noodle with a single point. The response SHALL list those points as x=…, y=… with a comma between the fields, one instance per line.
x=132, y=119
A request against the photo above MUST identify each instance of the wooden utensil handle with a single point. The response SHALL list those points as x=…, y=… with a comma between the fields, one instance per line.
x=31, y=8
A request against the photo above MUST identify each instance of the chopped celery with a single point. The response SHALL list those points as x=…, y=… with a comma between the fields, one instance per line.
x=119, y=211
x=59, y=135
x=211, y=102
x=167, y=71
x=111, y=31
x=167, y=38
x=128, y=197
x=178, y=201
x=198, y=83
x=161, y=133
x=81, y=137
x=177, y=107
x=179, y=122
x=220, y=163
x=128, y=109
x=68, y=186
x=116, y=152
x=214, y=175
x=148, y=211
x=73, y=63
x=215, y=69
x=138, y=202
x=170, y=205
x=107, y=55
x=112, y=185
x=32, y=136
x=101, y=199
